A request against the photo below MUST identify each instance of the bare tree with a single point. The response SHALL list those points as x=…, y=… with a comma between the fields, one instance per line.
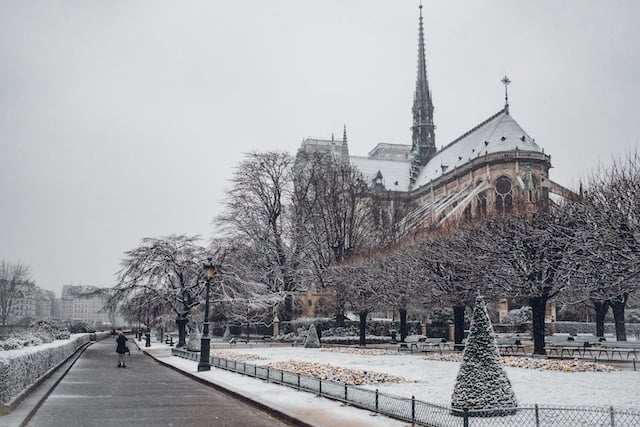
x=255, y=216
x=12, y=276
x=333, y=213
x=610, y=238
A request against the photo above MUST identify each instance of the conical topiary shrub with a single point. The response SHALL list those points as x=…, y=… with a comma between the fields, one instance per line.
x=193, y=340
x=312, y=340
x=227, y=334
x=482, y=383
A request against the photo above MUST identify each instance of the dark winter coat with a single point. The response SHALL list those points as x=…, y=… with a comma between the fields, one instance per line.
x=122, y=347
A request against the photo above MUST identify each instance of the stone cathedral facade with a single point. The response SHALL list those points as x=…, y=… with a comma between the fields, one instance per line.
x=494, y=167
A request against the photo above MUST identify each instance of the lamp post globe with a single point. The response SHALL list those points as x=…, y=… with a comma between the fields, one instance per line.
x=209, y=271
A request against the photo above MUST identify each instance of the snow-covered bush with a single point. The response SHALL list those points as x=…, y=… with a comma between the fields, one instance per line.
x=482, y=383
x=11, y=343
x=312, y=340
x=45, y=337
x=355, y=340
x=21, y=340
x=62, y=335
x=518, y=316
x=347, y=331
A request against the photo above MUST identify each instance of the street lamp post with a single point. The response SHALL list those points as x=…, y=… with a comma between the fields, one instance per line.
x=204, y=365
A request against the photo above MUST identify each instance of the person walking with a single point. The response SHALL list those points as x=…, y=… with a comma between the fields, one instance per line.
x=121, y=348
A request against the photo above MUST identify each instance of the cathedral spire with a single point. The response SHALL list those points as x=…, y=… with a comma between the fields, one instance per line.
x=344, y=152
x=423, y=145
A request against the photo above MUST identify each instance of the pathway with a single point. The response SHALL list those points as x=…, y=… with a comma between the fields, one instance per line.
x=96, y=392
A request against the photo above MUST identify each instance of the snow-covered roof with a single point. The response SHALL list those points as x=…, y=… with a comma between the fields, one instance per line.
x=395, y=173
x=498, y=133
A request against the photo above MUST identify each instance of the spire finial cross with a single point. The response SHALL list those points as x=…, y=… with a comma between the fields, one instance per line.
x=506, y=82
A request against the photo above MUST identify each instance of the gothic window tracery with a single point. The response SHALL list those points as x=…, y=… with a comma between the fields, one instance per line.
x=504, y=195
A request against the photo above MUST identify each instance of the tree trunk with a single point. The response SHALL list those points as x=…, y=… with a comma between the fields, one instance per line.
x=458, y=326
x=340, y=318
x=182, y=331
x=403, y=324
x=286, y=313
x=339, y=309
x=363, y=328
x=617, y=306
x=601, y=308
x=538, y=307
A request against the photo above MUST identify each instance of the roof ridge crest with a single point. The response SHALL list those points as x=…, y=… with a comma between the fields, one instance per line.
x=475, y=128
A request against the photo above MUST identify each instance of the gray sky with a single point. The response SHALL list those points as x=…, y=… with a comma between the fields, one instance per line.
x=124, y=119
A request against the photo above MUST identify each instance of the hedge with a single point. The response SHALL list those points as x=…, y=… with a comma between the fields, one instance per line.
x=21, y=368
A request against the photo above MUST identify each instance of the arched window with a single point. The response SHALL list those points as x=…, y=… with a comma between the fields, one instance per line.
x=504, y=198
x=481, y=204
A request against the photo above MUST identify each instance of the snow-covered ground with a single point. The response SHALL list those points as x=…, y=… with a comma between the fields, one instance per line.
x=432, y=381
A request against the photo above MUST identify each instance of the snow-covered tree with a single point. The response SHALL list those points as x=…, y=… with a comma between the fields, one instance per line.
x=528, y=254
x=358, y=282
x=454, y=264
x=167, y=271
x=312, y=340
x=609, y=239
x=482, y=383
x=241, y=292
x=406, y=285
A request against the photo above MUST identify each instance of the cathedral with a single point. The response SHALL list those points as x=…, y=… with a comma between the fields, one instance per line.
x=494, y=167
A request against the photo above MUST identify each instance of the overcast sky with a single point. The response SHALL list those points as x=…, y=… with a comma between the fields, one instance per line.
x=124, y=119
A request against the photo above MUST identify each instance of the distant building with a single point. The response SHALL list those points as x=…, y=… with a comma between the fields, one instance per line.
x=30, y=304
x=23, y=306
x=84, y=303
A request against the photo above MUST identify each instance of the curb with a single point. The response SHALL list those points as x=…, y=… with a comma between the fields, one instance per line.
x=272, y=411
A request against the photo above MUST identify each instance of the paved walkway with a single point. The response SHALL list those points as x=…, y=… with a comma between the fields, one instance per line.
x=96, y=392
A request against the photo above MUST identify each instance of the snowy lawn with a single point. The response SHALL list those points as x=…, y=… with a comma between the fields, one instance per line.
x=432, y=381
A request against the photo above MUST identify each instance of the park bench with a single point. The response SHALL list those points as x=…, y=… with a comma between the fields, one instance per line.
x=424, y=344
x=432, y=345
x=510, y=347
x=600, y=350
x=621, y=348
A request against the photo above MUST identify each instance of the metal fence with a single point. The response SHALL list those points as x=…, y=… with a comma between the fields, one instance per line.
x=429, y=414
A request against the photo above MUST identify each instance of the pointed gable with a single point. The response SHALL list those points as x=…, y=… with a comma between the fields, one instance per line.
x=499, y=133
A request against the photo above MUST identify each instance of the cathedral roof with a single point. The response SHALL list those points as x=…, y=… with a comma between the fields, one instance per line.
x=395, y=173
x=498, y=133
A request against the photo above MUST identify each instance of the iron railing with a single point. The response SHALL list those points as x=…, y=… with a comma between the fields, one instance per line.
x=429, y=414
